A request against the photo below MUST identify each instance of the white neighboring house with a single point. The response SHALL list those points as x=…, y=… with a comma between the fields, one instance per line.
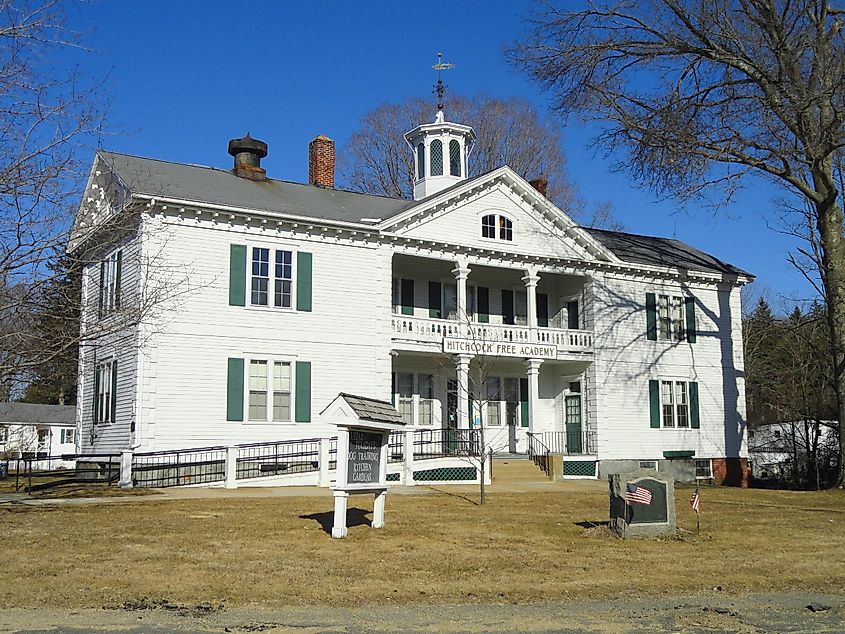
x=29, y=430
x=617, y=349
x=773, y=447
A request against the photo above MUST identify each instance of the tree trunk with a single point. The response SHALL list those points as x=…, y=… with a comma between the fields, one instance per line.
x=830, y=228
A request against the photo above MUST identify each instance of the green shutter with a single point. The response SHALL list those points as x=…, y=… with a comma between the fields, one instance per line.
x=303, y=392
x=237, y=275
x=654, y=403
x=695, y=420
x=102, y=287
x=117, y=279
x=690, y=307
x=304, y=262
x=434, y=300
x=113, y=404
x=507, y=307
x=483, y=305
x=542, y=310
x=651, y=316
x=235, y=390
x=523, y=402
x=406, y=296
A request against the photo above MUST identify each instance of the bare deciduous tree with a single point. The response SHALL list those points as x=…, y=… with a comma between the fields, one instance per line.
x=376, y=159
x=696, y=93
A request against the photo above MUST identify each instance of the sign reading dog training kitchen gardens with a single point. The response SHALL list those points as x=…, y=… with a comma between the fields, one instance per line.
x=363, y=430
x=364, y=463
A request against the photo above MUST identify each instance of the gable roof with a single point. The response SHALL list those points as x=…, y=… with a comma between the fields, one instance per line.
x=373, y=409
x=210, y=185
x=668, y=252
x=37, y=414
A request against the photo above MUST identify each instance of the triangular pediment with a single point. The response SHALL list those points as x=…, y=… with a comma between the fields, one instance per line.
x=105, y=194
x=456, y=216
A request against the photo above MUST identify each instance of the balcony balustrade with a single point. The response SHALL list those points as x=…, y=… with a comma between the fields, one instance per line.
x=422, y=330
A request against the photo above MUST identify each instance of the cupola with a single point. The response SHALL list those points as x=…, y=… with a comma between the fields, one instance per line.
x=440, y=154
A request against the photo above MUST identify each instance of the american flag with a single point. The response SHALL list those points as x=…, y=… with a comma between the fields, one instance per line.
x=637, y=495
x=695, y=501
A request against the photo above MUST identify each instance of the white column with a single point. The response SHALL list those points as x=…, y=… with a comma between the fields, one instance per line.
x=408, y=453
x=339, y=529
x=461, y=272
x=530, y=280
x=231, y=468
x=532, y=369
x=462, y=368
x=125, y=481
x=378, y=509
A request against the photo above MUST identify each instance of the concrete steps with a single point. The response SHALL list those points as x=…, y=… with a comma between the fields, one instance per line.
x=517, y=469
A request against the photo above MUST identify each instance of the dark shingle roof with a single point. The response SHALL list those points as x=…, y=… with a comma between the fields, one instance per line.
x=373, y=409
x=655, y=251
x=34, y=413
x=214, y=186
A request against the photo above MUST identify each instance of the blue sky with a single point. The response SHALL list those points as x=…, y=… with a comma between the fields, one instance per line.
x=185, y=77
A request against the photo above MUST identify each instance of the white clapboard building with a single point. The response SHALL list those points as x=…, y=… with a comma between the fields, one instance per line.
x=477, y=303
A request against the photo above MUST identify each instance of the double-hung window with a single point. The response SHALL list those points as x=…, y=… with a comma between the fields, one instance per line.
x=426, y=406
x=674, y=397
x=110, y=273
x=493, y=396
x=104, y=396
x=671, y=317
x=266, y=404
x=282, y=277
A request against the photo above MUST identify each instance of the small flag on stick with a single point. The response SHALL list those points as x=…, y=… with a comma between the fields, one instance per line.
x=695, y=501
x=637, y=495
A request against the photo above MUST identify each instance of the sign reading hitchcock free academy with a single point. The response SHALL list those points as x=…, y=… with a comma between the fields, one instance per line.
x=500, y=348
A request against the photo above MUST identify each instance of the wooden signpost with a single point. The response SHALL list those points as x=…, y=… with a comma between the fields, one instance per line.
x=363, y=434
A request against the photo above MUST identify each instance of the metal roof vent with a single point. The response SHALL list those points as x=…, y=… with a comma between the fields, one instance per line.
x=248, y=153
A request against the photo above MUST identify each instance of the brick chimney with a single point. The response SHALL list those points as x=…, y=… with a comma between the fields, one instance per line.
x=321, y=162
x=540, y=184
x=248, y=153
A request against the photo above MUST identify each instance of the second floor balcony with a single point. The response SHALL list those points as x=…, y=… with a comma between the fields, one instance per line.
x=480, y=309
x=476, y=337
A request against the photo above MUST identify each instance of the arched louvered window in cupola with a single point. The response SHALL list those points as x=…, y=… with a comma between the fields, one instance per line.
x=420, y=161
x=436, y=157
x=454, y=158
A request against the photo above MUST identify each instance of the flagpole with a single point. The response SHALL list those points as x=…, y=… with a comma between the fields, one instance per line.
x=698, y=512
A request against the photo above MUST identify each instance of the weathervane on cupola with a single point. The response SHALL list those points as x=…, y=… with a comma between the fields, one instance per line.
x=441, y=148
x=440, y=87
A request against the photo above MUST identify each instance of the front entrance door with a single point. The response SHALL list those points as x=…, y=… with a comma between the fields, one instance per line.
x=573, y=424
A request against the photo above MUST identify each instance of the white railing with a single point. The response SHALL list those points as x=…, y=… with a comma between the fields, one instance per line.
x=428, y=330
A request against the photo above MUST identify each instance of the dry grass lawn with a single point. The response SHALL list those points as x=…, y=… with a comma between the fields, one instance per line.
x=434, y=549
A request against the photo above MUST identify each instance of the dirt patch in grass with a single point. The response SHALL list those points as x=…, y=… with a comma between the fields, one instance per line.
x=438, y=549
x=81, y=490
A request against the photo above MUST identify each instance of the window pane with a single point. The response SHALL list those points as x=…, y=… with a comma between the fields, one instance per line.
x=420, y=161
x=405, y=384
x=678, y=318
x=257, y=405
x=668, y=405
x=681, y=400
x=488, y=226
x=426, y=411
x=454, y=158
x=426, y=385
x=281, y=376
x=493, y=418
x=505, y=229
x=663, y=317
x=260, y=276
x=492, y=388
x=436, y=158
x=258, y=375
x=511, y=390
x=405, y=409
x=282, y=295
x=281, y=406
x=702, y=469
